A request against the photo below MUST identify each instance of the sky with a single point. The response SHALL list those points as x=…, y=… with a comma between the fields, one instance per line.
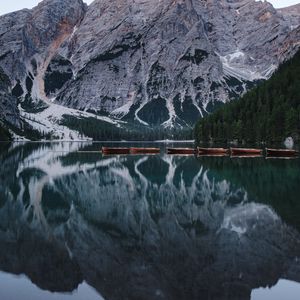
x=7, y=6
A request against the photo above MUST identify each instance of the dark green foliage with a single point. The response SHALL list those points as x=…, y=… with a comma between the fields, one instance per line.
x=56, y=80
x=17, y=91
x=58, y=73
x=31, y=106
x=153, y=168
x=33, y=134
x=4, y=134
x=212, y=106
x=29, y=84
x=103, y=131
x=268, y=113
x=235, y=87
x=155, y=112
x=130, y=116
x=26, y=131
x=232, y=81
x=186, y=110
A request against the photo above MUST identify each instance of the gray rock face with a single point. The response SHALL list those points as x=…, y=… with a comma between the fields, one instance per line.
x=169, y=62
x=8, y=103
x=292, y=13
x=31, y=38
x=155, y=63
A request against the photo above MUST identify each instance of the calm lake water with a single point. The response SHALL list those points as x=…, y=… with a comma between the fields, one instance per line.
x=78, y=225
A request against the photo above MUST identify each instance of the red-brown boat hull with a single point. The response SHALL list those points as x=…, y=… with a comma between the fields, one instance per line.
x=212, y=151
x=281, y=152
x=144, y=150
x=112, y=151
x=245, y=152
x=181, y=151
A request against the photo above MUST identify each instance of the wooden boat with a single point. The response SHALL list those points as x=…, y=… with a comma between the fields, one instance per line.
x=212, y=151
x=281, y=152
x=109, y=151
x=245, y=152
x=144, y=150
x=181, y=151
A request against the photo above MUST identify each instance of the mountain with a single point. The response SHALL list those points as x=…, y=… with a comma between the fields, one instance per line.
x=8, y=106
x=291, y=13
x=268, y=113
x=139, y=63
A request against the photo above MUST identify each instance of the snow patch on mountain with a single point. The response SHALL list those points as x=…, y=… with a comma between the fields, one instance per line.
x=49, y=121
x=235, y=65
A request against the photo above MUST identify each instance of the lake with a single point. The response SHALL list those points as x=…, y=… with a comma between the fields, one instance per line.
x=78, y=225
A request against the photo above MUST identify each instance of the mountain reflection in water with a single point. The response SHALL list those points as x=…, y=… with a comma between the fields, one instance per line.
x=147, y=227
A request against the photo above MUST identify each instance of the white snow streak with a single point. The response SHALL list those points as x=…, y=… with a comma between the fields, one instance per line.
x=234, y=65
x=48, y=121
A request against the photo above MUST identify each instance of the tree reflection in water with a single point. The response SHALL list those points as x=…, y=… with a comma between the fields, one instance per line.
x=147, y=227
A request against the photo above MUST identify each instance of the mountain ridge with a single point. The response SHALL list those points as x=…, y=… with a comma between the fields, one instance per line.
x=163, y=64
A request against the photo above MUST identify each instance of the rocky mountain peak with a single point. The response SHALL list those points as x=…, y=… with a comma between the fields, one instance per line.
x=30, y=39
x=50, y=19
x=291, y=14
x=176, y=54
x=154, y=63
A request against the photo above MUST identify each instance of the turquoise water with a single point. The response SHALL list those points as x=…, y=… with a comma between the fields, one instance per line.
x=78, y=225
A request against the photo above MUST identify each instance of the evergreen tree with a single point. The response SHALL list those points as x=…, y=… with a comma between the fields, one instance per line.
x=269, y=112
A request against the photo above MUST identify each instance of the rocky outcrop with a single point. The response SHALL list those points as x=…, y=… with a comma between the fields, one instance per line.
x=290, y=45
x=292, y=14
x=163, y=63
x=169, y=62
x=29, y=39
x=8, y=102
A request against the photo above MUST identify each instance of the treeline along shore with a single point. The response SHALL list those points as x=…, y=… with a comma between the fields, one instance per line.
x=268, y=113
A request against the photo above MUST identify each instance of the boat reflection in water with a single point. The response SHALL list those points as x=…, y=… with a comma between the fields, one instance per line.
x=147, y=227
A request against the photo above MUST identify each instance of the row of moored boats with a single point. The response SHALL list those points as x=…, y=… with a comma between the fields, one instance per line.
x=242, y=152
